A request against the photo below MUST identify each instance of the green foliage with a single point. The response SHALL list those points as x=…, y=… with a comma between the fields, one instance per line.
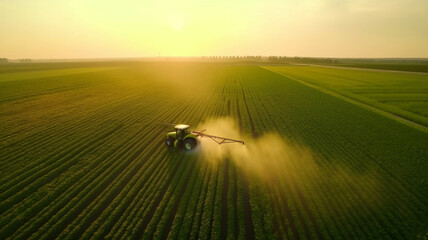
x=402, y=94
x=83, y=155
x=422, y=67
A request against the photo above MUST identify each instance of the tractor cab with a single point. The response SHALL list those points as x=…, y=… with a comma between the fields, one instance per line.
x=181, y=130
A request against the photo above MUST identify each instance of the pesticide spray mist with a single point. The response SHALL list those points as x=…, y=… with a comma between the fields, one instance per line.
x=274, y=160
x=266, y=156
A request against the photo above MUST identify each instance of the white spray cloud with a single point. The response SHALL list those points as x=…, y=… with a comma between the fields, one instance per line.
x=273, y=159
x=266, y=156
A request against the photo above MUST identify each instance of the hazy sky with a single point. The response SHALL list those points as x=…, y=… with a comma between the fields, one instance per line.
x=131, y=28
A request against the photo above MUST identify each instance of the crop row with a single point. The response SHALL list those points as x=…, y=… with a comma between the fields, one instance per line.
x=110, y=153
x=359, y=190
x=143, y=133
x=109, y=175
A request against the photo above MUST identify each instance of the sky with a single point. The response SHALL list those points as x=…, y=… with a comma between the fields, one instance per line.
x=61, y=29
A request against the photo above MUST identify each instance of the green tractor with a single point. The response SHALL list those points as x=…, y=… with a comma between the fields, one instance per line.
x=183, y=137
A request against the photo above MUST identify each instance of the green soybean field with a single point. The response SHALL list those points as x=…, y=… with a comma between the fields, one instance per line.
x=329, y=153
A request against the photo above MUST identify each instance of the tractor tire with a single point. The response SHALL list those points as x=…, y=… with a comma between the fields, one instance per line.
x=170, y=142
x=189, y=144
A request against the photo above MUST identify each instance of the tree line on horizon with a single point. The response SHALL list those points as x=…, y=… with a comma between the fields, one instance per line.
x=270, y=59
x=24, y=60
x=314, y=60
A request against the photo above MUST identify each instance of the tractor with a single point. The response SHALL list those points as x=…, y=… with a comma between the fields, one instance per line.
x=182, y=137
x=185, y=138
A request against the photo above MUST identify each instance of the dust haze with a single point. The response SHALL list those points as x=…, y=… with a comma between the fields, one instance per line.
x=266, y=156
x=275, y=160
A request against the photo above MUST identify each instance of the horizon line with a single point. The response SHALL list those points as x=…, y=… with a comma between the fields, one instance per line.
x=212, y=56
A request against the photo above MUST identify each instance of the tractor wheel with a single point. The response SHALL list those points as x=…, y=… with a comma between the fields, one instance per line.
x=170, y=142
x=189, y=144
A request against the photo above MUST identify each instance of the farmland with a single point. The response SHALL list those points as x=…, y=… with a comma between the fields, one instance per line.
x=402, y=94
x=415, y=66
x=83, y=153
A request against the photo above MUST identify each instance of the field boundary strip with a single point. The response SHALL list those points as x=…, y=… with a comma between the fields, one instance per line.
x=364, y=69
x=389, y=115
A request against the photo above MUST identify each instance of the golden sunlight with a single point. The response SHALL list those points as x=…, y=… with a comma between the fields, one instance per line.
x=176, y=22
x=132, y=28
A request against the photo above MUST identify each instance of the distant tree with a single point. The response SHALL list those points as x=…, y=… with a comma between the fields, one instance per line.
x=25, y=60
x=4, y=60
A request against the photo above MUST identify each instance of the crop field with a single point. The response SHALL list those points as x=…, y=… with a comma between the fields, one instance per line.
x=403, y=94
x=421, y=67
x=83, y=152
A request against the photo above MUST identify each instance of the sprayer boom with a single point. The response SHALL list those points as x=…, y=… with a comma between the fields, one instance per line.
x=217, y=139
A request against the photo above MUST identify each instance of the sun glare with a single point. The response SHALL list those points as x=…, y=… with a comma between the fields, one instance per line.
x=133, y=28
x=176, y=22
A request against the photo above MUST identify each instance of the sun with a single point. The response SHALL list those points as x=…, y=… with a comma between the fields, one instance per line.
x=176, y=22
